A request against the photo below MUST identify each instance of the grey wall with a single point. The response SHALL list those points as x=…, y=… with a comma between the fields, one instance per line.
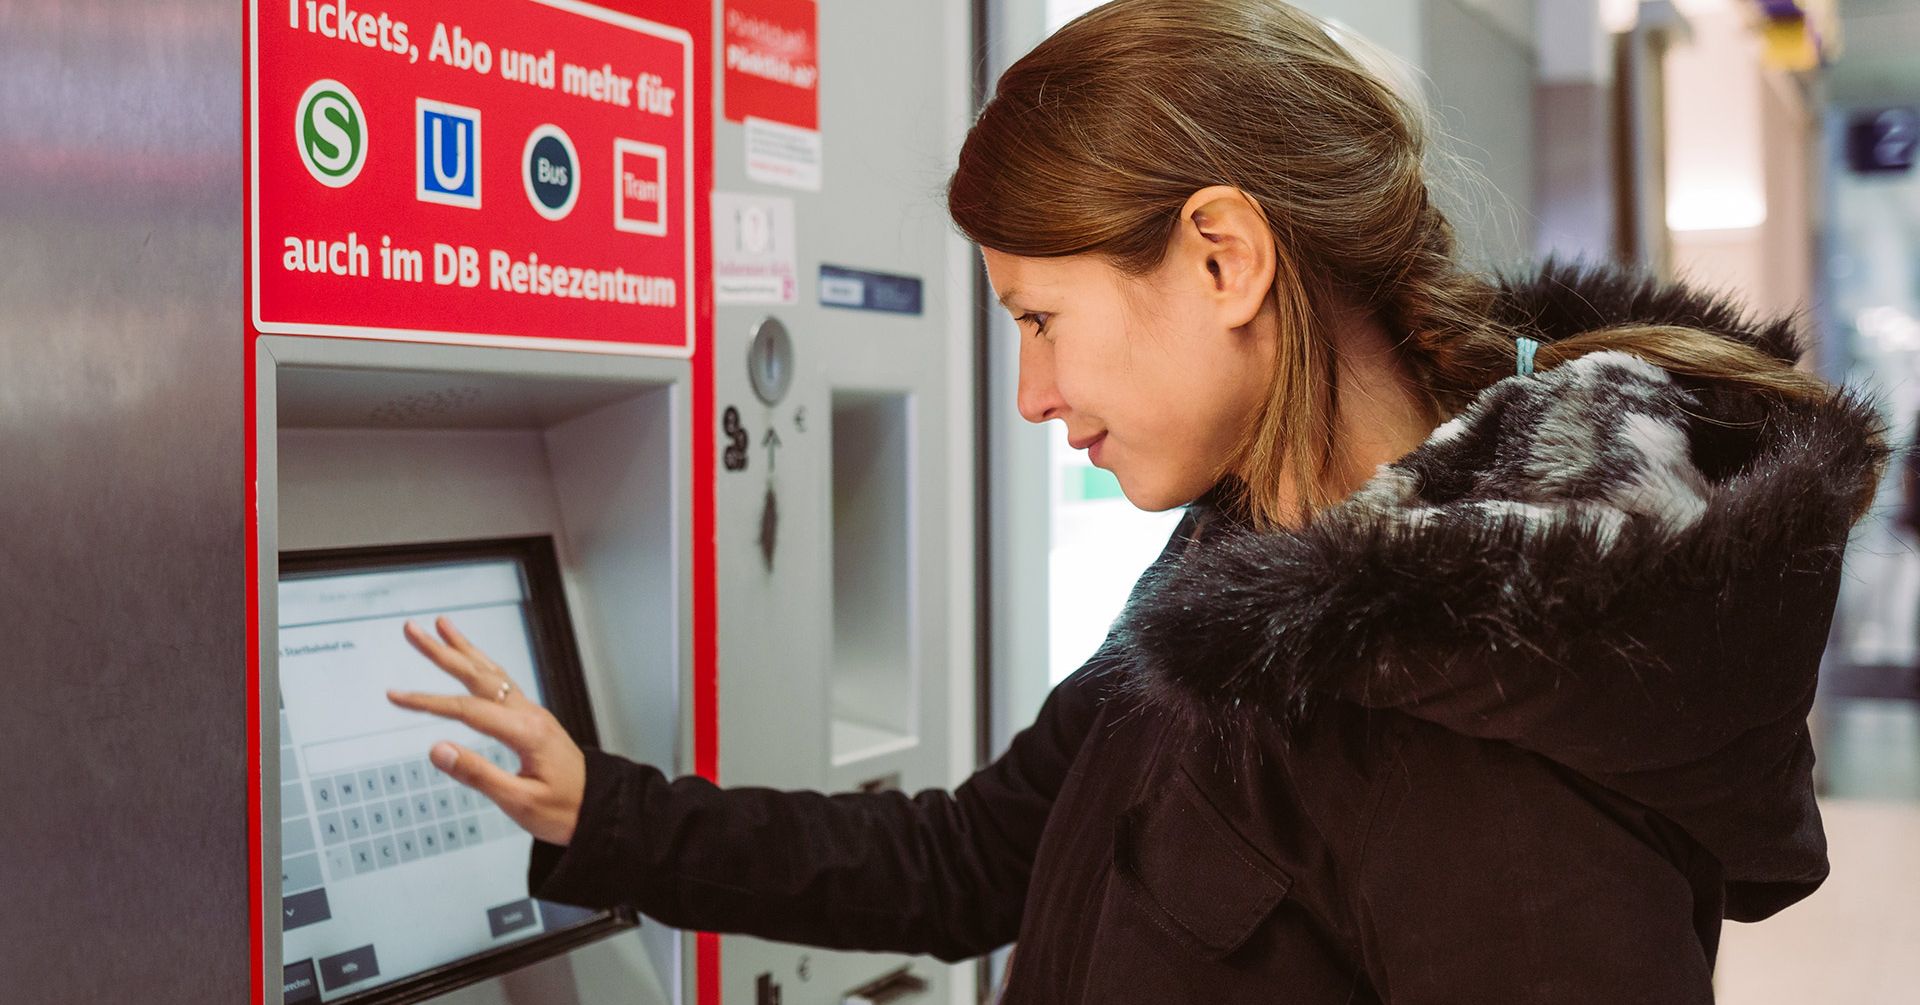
x=122, y=695
x=1481, y=87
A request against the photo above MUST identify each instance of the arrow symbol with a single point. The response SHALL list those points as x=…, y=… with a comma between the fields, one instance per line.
x=771, y=442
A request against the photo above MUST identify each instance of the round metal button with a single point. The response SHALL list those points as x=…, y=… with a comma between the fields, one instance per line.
x=770, y=361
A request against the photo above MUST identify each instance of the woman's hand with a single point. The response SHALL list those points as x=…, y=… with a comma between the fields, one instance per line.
x=545, y=797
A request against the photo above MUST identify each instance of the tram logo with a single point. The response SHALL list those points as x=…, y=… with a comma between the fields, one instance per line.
x=639, y=188
x=446, y=155
x=331, y=132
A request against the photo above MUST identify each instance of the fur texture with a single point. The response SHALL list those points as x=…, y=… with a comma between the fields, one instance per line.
x=1543, y=522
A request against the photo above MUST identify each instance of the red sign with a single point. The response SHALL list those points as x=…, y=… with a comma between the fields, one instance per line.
x=517, y=172
x=772, y=61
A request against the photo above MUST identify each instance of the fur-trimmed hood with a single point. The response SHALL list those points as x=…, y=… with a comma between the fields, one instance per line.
x=1628, y=572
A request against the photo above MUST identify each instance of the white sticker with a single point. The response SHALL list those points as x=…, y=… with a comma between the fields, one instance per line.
x=842, y=291
x=779, y=154
x=754, y=259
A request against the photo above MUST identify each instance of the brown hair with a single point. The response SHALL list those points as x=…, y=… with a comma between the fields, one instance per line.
x=1093, y=142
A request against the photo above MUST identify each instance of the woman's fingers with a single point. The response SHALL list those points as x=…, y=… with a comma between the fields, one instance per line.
x=545, y=797
x=509, y=792
x=458, y=656
x=545, y=800
x=508, y=725
x=461, y=645
x=473, y=674
x=443, y=656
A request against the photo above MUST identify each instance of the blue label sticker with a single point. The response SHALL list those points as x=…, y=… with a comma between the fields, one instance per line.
x=869, y=291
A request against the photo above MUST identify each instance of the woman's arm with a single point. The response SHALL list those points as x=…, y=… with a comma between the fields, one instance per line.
x=940, y=873
x=1489, y=875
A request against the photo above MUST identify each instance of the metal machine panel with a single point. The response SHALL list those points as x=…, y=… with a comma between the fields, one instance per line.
x=121, y=455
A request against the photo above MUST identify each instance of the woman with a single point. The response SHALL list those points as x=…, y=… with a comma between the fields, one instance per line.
x=1478, y=671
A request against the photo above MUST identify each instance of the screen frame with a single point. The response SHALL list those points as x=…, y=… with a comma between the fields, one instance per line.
x=562, y=679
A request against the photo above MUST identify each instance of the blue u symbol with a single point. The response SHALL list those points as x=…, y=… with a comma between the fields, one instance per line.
x=455, y=180
x=450, y=155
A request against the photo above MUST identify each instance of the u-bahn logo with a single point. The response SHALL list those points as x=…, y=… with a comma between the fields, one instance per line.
x=331, y=132
x=446, y=153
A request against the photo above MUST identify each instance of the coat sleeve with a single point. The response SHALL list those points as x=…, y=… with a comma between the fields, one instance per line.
x=942, y=873
x=1489, y=876
x=939, y=872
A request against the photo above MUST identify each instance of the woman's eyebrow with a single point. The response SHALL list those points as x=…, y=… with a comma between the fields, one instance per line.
x=1006, y=299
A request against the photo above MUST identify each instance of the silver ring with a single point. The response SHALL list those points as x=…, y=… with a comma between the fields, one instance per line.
x=506, y=688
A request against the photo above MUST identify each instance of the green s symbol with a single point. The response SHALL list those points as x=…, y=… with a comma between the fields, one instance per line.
x=331, y=132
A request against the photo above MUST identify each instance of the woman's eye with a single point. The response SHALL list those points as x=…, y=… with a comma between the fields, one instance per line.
x=1039, y=321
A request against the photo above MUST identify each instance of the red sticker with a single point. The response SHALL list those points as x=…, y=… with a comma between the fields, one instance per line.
x=515, y=173
x=772, y=60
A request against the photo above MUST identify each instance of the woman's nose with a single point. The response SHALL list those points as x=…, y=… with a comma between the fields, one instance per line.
x=1038, y=394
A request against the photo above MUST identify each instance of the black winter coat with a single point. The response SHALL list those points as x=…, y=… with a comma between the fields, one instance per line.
x=1519, y=721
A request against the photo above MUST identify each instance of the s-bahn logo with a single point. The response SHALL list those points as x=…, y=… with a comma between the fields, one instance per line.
x=331, y=132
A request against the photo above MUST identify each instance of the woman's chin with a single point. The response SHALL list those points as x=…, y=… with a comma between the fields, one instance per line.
x=1148, y=496
x=1159, y=491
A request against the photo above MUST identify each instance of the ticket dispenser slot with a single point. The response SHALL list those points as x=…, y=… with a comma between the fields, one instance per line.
x=892, y=988
x=875, y=686
x=370, y=445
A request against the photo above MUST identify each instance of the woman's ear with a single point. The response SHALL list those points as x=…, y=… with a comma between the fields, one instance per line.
x=1223, y=240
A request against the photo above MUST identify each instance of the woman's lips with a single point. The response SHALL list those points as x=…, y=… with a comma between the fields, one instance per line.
x=1093, y=449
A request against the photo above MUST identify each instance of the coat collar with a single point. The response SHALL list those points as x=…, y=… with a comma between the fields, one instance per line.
x=1546, y=522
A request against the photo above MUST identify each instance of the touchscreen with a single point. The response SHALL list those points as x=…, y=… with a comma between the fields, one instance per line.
x=389, y=868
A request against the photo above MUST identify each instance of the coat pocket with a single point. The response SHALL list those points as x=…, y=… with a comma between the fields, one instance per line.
x=1185, y=867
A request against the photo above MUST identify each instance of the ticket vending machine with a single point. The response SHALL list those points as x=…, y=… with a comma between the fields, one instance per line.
x=633, y=337
x=539, y=500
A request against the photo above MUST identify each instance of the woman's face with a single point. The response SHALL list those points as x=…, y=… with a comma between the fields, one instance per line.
x=1158, y=376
